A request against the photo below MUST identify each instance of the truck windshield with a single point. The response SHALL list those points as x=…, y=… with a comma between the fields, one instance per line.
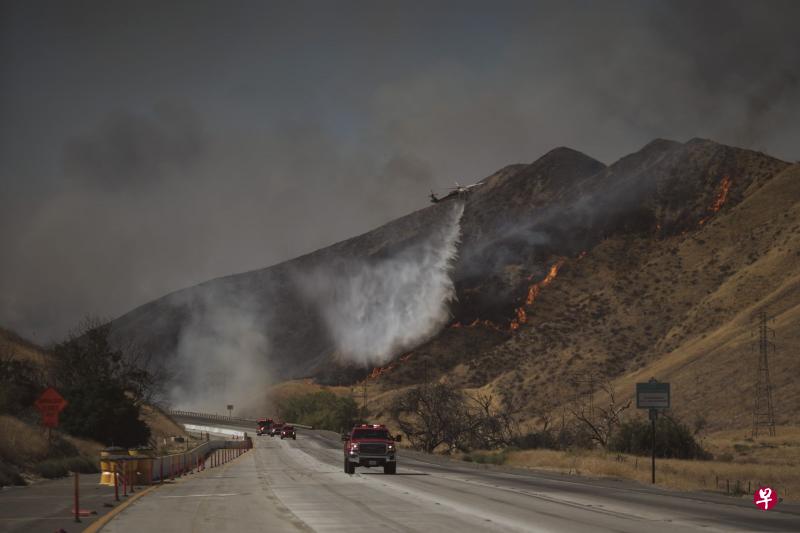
x=370, y=434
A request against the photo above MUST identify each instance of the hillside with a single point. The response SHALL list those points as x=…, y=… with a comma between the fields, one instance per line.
x=565, y=271
x=671, y=300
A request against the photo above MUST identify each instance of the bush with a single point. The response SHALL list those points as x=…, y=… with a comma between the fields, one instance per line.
x=673, y=439
x=321, y=410
x=20, y=384
x=490, y=458
x=9, y=475
x=101, y=411
x=51, y=468
x=55, y=468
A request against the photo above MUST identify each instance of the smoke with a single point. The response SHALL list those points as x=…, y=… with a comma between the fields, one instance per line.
x=148, y=147
x=221, y=354
x=375, y=308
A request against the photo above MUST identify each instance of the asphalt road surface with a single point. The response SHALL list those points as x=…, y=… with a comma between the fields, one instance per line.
x=301, y=486
x=47, y=506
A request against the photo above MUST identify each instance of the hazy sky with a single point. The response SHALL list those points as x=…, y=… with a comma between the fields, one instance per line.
x=145, y=147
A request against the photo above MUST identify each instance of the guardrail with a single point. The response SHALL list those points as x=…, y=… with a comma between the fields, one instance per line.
x=224, y=418
x=138, y=467
x=210, y=416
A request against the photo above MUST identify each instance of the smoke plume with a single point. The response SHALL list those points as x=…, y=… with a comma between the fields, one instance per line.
x=221, y=354
x=375, y=308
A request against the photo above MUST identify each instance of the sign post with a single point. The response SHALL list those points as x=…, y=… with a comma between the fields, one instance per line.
x=653, y=396
x=49, y=404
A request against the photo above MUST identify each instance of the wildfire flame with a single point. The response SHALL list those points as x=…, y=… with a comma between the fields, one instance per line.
x=379, y=371
x=719, y=199
x=522, y=317
x=722, y=194
x=533, y=292
x=521, y=313
x=536, y=288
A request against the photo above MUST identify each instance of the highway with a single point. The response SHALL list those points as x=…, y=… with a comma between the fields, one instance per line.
x=300, y=486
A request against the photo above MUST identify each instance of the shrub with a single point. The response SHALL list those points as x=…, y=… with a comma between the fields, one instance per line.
x=536, y=439
x=55, y=468
x=51, y=468
x=673, y=439
x=9, y=475
x=101, y=411
x=20, y=384
x=322, y=410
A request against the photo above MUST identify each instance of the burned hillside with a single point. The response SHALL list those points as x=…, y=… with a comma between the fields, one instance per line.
x=539, y=272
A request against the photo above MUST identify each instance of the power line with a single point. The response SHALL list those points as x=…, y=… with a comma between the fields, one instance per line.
x=763, y=413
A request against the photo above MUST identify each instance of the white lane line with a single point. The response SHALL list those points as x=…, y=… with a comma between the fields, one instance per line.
x=202, y=495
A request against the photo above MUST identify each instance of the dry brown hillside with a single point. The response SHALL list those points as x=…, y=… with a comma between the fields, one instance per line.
x=675, y=299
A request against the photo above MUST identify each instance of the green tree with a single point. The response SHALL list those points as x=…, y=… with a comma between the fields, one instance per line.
x=103, y=388
x=20, y=383
x=322, y=410
x=673, y=439
x=102, y=411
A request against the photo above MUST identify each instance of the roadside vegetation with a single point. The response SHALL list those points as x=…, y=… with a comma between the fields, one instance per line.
x=599, y=442
x=734, y=477
x=25, y=450
x=442, y=417
x=321, y=410
x=106, y=389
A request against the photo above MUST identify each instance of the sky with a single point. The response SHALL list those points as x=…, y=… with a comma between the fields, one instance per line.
x=149, y=146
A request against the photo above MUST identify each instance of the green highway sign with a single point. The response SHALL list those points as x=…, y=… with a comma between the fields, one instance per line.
x=652, y=395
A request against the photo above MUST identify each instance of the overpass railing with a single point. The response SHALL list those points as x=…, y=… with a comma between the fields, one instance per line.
x=224, y=418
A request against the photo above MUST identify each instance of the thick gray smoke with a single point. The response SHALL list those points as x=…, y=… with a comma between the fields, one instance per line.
x=374, y=309
x=150, y=146
x=221, y=355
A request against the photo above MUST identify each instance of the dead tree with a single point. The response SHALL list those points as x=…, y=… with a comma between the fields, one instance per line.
x=601, y=421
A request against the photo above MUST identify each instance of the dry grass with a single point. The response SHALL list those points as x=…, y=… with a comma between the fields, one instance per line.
x=25, y=448
x=781, y=450
x=161, y=425
x=672, y=473
x=20, y=442
x=299, y=387
x=22, y=349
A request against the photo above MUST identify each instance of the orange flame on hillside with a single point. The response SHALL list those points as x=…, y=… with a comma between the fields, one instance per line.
x=533, y=292
x=536, y=288
x=521, y=313
x=722, y=194
x=719, y=199
x=522, y=317
x=379, y=371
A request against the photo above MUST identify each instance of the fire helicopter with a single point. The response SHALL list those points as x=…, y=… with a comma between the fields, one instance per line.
x=458, y=190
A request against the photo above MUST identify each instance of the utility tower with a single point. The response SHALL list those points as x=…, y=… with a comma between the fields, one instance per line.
x=584, y=385
x=763, y=414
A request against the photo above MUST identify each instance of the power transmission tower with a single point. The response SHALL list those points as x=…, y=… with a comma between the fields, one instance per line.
x=584, y=385
x=763, y=414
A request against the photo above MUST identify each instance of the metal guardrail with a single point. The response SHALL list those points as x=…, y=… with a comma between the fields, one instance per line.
x=127, y=471
x=210, y=416
x=224, y=418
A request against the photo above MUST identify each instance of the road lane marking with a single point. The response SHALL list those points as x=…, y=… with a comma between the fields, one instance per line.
x=202, y=495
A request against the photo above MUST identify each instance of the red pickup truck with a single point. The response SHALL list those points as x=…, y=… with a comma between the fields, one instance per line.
x=264, y=425
x=370, y=445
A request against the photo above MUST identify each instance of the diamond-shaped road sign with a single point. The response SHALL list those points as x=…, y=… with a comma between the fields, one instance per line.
x=49, y=404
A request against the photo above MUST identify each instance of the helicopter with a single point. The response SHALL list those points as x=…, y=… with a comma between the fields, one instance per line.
x=458, y=190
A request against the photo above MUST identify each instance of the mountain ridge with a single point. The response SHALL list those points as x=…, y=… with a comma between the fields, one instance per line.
x=565, y=208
